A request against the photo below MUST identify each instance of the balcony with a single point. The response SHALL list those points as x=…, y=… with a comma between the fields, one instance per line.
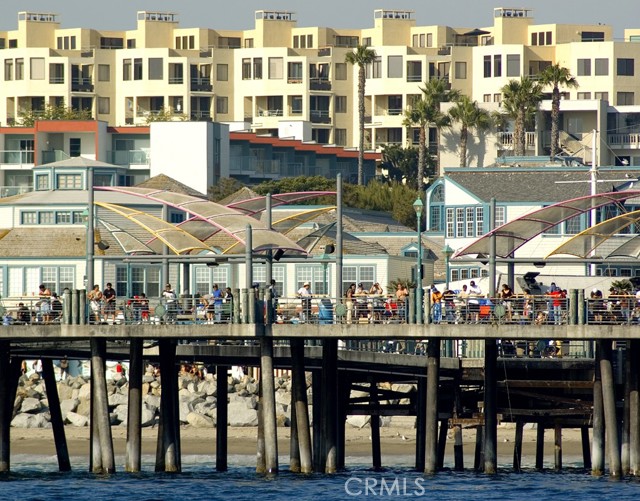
x=56, y=79
x=16, y=157
x=176, y=80
x=201, y=116
x=626, y=141
x=505, y=140
x=324, y=52
x=270, y=113
x=50, y=156
x=81, y=84
x=320, y=117
x=9, y=191
x=320, y=83
x=129, y=157
x=201, y=84
x=394, y=112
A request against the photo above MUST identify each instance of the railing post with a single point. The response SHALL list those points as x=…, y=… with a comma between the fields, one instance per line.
x=573, y=307
x=411, y=301
x=66, y=307
x=582, y=318
x=235, y=306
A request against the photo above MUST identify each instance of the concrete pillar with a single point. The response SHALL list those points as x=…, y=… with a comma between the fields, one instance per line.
x=490, y=407
x=609, y=404
x=433, y=370
x=421, y=423
x=634, y=409
x=540, y=447
x=167, y=436
x=299, y=397
x=557, y=446
x=329, y=403
x=6, y=409
x=517, y=447
x=133, y=460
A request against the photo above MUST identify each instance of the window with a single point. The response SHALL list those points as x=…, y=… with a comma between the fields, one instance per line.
x=501, y=216
x=460, y=70
x=131, y=44
x=376, y=67
x=246, y=69
x=69, y=181
x=341, y=71
x=429, y=39
x=104, y=105
x=513, y=65
x=623, y=98
x=315, y=276
x=584, y=95
x=603, y=96
x=222, y=104
x=277, y=273
x=549, y=38
x=534, y=39
x=104, y=73
x=257, y=68
x=296, y=105
x=137, y=68
x=75, y=147
x=584, y=67
x=111, y=43
x=275, y=68
x=340, y=137
x=222, y=72
x=42, y=182
x=19, y=69
x=497, y=65
x=37, y=68
x=134, y=279
x=340, y=104
x=394, y=67
x=625, y=67
x=497, y=97
x=8, y=69
x=356, y=275
x=486, y=98
x=593, y=36
x=155, y=68
x=487, y=66
x=126, y=69
x=63, y=217
x=573, y=225
x=309, y=41
x=28, y=217
x=294, y=72
x=601, y=66
x=463, y=222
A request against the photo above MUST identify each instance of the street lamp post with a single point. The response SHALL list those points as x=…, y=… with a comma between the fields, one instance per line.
x=417, y=206
x=448, y=252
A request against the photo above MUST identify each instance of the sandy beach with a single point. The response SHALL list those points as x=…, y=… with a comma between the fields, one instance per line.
x=395, y=441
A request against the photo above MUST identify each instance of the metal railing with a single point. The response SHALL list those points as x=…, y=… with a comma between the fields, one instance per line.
x=624, y=140
x=16, y=157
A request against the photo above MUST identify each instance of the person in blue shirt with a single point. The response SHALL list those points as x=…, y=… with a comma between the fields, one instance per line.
x=216, y=296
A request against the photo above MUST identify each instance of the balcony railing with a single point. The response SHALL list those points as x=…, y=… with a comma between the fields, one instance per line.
x=176, y=80
x=56, y=80
x=203, y=84
x=9, y=191
x=320, y=117
x=270, y=113
x=394, y=111
x=50, y=156
x=81, y=84
x=631, y=141
x=129, y=157
x=294, y=80
x=16, y=157
x=201, y=116
x=321, y=83
x=506, y=139
x=414, y=78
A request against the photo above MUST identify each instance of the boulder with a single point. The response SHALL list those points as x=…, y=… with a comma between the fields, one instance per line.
x=64, y=392
x=148, y=417
x=85, y=392
x=31, y=405
x=69, y=405
x=403, y=388
x=76, y=419
x=283, y=397
x=117, y=399
x=358, y=421
x=241, y=415
x=199, y=421
x=84, y=408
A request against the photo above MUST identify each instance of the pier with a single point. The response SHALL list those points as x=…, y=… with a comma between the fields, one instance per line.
x=593, y=387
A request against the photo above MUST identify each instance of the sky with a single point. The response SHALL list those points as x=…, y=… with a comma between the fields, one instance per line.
x=216, y=14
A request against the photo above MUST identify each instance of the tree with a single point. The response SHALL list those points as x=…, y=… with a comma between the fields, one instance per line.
x=166, y=114
x=520, y=101
x=225, y=187
x=421, y=114
x=58, y=112
x=361, y=56
x=434, y=92
x=556, y=76
x=400, y=163
x=470, y=116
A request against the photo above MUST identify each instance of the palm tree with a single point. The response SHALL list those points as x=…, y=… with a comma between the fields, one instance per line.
x=470, y=116
x=520, y=101
x=556, y=76
x=361, y=56
x=434, y=92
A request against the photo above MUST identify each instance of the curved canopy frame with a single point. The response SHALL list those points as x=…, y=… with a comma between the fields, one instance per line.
x=514, y=234
x=179, y=241
x=127, y=242
x=230, y=221
x=585, y=242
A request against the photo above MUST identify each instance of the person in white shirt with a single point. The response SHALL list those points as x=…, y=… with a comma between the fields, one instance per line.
x=305, y=295
x=474, y=300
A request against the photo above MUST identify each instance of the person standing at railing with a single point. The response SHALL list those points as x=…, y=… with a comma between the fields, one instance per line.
x=109, y=298
x=23, y=315
x=216, y=296
x=273, y=295
x=44, y=305
x=169, y=295
x=475, y=293
x=304, y=293
x=436, y=304
x=95, y=298
x=506, y=294
x=557, y=299
x=402, y=292
x=351, y=290
x=463, y=305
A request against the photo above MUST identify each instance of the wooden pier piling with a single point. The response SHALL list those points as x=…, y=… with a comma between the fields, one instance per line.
x=517, y=447
x=268, y=405
x=557, y=447
x=421, y=426
x=101, y=407
x=329, y=403
x=634, y=409
x=57, y=423
x=168, y=459
x=299, y=397
x=376, y=453
x=431, y=423
x=316, y=409
x=6, y=408
x=222, y=417
x=598, y=435
x=490, y=407
x=133, y=459
x=609, y=404
x=540, y=446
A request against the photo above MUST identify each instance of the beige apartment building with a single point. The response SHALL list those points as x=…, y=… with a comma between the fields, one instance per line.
x=282, y=79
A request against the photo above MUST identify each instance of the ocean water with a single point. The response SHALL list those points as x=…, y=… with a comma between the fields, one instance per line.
x=36, y=478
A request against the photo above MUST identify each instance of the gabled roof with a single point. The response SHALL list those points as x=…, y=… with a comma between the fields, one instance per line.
x=164, y=182
x=539, y=185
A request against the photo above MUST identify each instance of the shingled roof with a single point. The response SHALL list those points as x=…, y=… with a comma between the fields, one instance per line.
x=163, y=182
x=540, y=185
